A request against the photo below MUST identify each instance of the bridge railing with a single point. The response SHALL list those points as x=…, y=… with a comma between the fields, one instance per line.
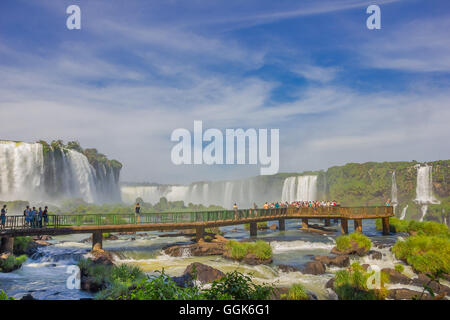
x=60, y=221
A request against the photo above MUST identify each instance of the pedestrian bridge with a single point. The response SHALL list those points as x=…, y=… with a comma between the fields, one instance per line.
x=102, y=223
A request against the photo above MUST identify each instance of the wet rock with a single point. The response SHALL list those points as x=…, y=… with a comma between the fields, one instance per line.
x=253, y=260
x=183, y=281
x=42, y=237
x=111, y=237
x=437, y=288
x=375, y=255
x=365, y=266
x=273, y=227
x=28, y=297
x=353, y=250
x=287, y=268
x=406, y=294
x=338, y=261
x=396, y=277
x=198, y=249
x=42, y=243
x=280, y=293
x=314, y=267
x=219, y=238
x=204, y=273
x=102, y=257
x=330, y=284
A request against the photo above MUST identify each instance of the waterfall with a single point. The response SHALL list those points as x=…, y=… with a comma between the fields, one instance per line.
x=424, y=189
x=300, y=188
x=29, y=173
x=394, y=192
x=403, y=215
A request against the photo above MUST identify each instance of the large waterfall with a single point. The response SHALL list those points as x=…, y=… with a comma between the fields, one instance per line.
x=29, y=173
x=300, y=188
x=243, y=192
x=424, y=189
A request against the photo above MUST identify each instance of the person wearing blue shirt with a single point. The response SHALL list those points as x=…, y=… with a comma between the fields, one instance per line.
x=3, y=217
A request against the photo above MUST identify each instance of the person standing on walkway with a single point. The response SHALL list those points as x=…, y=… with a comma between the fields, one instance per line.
x=137, y=211
x=45, y=216
x=3, y=217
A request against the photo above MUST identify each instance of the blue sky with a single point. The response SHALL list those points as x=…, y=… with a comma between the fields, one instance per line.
x=137, y=70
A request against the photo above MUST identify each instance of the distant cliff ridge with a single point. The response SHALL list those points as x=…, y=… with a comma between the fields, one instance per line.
x=50, y=171
x=421, y=188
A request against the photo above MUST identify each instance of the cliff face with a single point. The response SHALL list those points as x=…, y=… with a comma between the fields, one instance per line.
x=42, y=171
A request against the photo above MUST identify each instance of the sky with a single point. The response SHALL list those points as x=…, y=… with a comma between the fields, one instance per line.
x=137, y=70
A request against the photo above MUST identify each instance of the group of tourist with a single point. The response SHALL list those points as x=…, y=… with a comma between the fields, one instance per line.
x=36, y=218
x=300, y=204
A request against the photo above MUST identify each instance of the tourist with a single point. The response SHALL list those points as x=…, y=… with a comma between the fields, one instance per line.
x=33, y=217
x=137, y=210
x=45, y=216
x=388, y=202
x=3, y=217
x=39, y=218
x=235, y=208
x=266, y=206
x=27, y=215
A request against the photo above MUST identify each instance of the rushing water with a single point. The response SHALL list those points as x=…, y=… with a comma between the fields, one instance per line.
x=424, y=189
x=300, y=188
x=394, y=192
x=44, y=275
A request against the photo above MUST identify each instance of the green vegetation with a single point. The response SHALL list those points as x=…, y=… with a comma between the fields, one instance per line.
x=260, y=225
x=399, y=268
x=412, y=226
x=427, y=254
x=239, y=250
x=351, y=284
x=126, y=282
x=345, y=242
x=22, y=244
x=4, y=296
x=297, y=292
x=12, y=263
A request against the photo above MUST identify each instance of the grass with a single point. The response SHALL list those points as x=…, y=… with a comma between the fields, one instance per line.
x=344, y=242
x=430, y=228
x=297, y=292
x=12, y=263
x=427, y=254
x=239, y=250
x=399, y=268
x=351, y=284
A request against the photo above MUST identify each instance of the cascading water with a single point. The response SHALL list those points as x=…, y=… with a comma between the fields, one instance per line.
x=29, y=173
x=403, y=215
x=394, y=192
x=301, y=188
x=424, y=189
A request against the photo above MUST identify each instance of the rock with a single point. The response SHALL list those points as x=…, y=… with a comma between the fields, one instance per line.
x=28, y=297
x=375, y=255
x=183, y=281
x=396, y=277
x=253, y=260
x=314, y=267
x=338, y=261
x=354, y=249
x=365, y=266
x=330, y=284
x=406, y=294
x=287, y=268
x=280, y=293
x=102, y=257
x=422, y=280
x=273, y=226
x=219, y=238
x=111, y=237
x=205, y=273
x=42, y=243
x=198, y=249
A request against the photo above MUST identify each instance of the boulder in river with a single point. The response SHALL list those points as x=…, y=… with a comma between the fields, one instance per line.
x=198, y=249
x=314, y=267
x=406, y=294
x=287, y=268
x=353, y=250
x=204, y=273
x=338, y=261
x=375, y=255
x=438, y=288
x=396, y=277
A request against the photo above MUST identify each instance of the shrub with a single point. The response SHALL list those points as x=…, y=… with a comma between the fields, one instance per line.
x=22, y=244
x=351, y=284
x=399, y=268
x=427, y=254
x=344, y=242
x=297, y=292
x=4, y=296
x=12, y=263
x=238, y=250
x=427, y=227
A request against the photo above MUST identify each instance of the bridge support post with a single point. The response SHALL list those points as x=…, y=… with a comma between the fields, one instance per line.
x=199, y=233
x=385, y=223
x=327, y=222
x=281, y=224
x=253, y=229
x=97, y=241
x=344, y=226
x=305, y=224
x=7, y=245
x=358, y=225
